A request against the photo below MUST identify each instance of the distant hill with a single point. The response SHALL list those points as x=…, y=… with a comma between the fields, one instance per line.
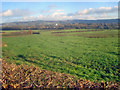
x=63, y=24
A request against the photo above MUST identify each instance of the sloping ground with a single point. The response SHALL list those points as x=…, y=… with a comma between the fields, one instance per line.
x=21, y=76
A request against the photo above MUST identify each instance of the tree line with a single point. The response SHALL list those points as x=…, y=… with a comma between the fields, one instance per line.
x=61, y=26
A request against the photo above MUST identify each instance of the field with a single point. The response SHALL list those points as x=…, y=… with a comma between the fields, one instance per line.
x=85, y=54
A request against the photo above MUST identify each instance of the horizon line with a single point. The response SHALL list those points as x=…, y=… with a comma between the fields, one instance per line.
x=58, y=20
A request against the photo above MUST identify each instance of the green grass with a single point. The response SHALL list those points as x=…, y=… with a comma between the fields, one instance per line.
x=86, y=58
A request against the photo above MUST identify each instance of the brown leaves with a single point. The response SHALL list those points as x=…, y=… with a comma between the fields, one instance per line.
x=2, y=44
x=22, y=76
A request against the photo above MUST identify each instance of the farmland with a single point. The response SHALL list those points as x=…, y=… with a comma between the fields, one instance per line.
x=91, y=55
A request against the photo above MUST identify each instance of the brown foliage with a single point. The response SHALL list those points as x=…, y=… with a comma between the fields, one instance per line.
x=2, y=44
x=22, y=76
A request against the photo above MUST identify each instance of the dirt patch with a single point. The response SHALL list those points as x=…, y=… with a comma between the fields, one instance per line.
x=60, y=35
x=90, y=35
x=86, y=35
x=15, y=34
x=97, y=36
x=75, y=31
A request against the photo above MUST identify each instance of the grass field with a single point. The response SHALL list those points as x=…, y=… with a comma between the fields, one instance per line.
x=91, y=55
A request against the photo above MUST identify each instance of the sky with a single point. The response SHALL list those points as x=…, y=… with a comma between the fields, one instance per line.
x=31, y=11
x=60, y=0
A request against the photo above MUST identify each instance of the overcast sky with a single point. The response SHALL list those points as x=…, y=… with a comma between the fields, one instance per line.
x=30, y=11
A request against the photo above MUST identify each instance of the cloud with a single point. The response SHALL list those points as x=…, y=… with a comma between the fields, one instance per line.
x=16, y=13
x=51, y=10
x=53, y=16
x=57, y=14
x=59, y=10
x=6, y=13
x=98, y=11
x=60, y=14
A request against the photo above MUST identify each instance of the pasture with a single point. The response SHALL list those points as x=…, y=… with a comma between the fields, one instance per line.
x=91, y=55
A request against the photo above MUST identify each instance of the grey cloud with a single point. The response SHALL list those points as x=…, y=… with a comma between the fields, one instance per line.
x=98, y=11
x=16, y=13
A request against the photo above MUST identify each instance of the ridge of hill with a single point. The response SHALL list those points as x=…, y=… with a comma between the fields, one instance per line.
x=62, y=22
